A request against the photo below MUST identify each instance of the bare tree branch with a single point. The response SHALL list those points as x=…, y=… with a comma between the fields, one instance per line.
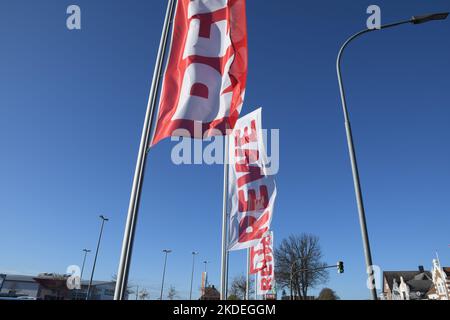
x=300, y=256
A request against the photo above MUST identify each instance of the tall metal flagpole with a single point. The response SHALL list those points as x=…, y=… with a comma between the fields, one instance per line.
x=130, y=227
x=224, y=268
x=247, y=286
x=256, y=286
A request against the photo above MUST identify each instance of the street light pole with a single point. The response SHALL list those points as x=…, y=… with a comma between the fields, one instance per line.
x=194, y=253
x=351, y=146
x=164, y=272
x=104, y=219
x=86, y=251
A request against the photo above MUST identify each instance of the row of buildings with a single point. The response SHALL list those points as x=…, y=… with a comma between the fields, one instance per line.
x=397, y=285
x=48, y=286
x=417, y=285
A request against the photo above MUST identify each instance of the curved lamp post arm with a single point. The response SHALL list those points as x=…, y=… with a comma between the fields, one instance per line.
x=341, y=52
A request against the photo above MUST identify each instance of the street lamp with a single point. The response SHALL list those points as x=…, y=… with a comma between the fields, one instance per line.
x=194, y=253
x=167, y=251
x=104, y=219
x=429, y=17
x=206, y=264
x=351, y=147
x=86, y=251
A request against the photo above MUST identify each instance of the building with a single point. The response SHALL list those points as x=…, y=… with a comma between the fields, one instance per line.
x=417, y=285
x=210, y=293
x=49, y=286
x=407, y=285
x=441, y=280
x=18, y=285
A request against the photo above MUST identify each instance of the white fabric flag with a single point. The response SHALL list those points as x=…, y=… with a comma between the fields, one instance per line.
x=263, y=253
x=251, y=191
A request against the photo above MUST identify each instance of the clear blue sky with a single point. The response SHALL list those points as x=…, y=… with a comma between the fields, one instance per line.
x=72, y=105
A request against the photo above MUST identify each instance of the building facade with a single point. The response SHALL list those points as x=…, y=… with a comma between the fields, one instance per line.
x=17, y=285
x=417, y=285
x=441, y=280
x=53, y=287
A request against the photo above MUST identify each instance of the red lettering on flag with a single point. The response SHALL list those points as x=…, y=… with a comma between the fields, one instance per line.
x=258, y=227
x=253, y=203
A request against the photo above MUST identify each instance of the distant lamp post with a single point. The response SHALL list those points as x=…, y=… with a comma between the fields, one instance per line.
x=206, y=265
x=351, y=147
x=194, y=253
x=86, y=251
x=104, y=219
x=166, y=252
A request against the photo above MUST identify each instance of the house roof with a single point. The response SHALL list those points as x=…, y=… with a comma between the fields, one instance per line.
x=418, y=281
x=211, y=293
x=420, y=285
x=432, y=291
x=19, y=278
x=97, y=283
x=44, y=278
x=447, y=271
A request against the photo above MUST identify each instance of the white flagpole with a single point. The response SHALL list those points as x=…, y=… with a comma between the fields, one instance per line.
x=247, y=287
x=224, y=268
x=130, y=227
x=256, y=286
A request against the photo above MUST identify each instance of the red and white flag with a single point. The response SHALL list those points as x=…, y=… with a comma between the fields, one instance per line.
x=251, y=190
x=262, y=254
x=205, y=77
x=262, y=263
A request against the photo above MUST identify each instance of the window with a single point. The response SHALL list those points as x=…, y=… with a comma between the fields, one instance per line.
x=109, y=292
x=440, y=287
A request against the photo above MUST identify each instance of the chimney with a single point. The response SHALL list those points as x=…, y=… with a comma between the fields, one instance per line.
x=421, y=269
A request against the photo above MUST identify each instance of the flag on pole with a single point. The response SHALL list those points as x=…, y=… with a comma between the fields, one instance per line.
x=251, y=191
x=263, y=264
x=261, y=254
x=205, y=77
x=204, y=282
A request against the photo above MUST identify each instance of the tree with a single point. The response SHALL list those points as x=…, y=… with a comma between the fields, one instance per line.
x=328, y=294
x=144, y=295
x=297, y=260
x=130, y=286
x=239, y=286
x=172, y=294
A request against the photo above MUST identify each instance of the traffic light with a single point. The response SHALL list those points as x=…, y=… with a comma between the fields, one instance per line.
x=340, y=267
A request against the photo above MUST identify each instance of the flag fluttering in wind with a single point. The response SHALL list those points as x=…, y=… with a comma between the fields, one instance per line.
x=202, y=91
x=251, y=190
x=262, y=263
x=205, y=77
